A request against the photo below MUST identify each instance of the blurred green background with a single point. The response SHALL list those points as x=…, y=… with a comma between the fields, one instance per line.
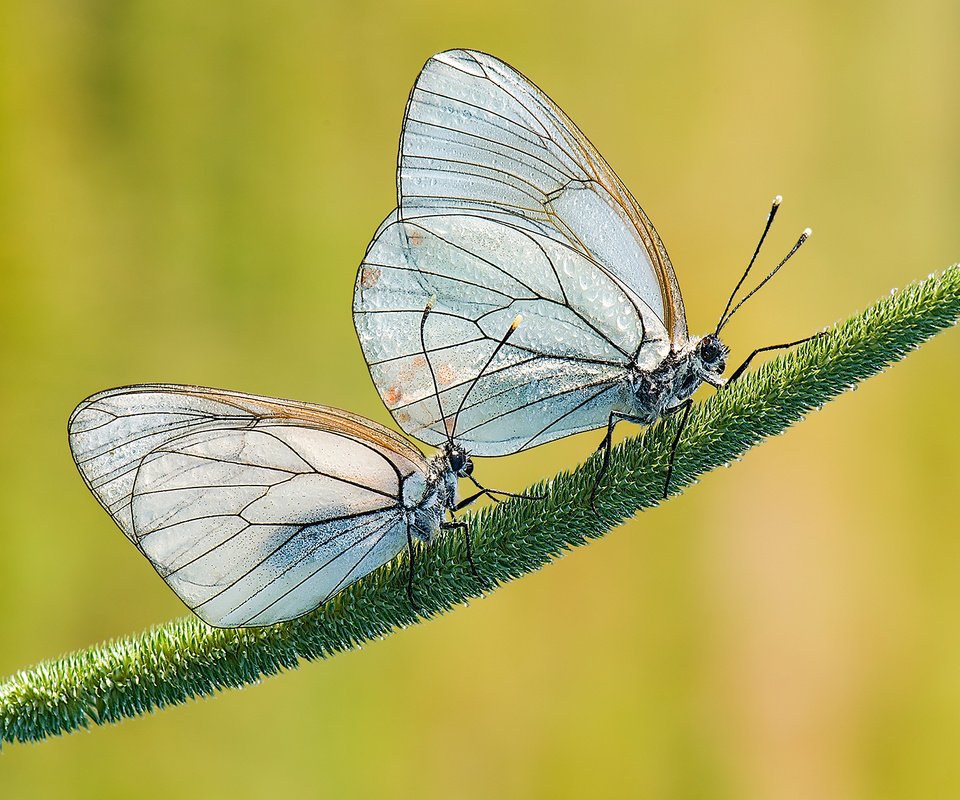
x=185, y=192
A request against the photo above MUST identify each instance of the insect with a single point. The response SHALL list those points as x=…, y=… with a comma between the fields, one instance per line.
x=256, y=510
x=505, y=207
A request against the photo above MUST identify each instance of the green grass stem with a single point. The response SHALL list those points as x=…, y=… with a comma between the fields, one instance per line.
x=183, y=659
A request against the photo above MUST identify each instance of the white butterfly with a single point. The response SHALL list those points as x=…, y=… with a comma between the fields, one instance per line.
x=256, y=510
x=504, y=207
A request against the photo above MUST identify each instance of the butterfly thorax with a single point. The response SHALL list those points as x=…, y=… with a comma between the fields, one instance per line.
x=427, y=506
x=655, y=392
x=426, y=501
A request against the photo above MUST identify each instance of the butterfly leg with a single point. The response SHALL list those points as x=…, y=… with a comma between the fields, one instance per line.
x=467, y=501
x=606, y=445
x=468, y=540
x=491, y=492
x=742, y=368
x=410, y=596
x=686, y=406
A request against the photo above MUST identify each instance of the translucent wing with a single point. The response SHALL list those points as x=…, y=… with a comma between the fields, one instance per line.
x=253, y=510
x=563, y=369
x=478, y=137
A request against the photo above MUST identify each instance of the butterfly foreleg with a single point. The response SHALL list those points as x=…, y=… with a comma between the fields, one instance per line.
x=468, y=501
x=458, y=525
x=491, y=492
x=410, y=554
x=606, y=445
x=742, y=368
x=686, y=406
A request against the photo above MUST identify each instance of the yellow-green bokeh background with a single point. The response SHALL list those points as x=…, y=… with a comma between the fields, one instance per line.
x=185, y=192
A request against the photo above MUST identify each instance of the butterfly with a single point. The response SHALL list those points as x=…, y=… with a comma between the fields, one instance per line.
x=505, y=207
x=256, y=510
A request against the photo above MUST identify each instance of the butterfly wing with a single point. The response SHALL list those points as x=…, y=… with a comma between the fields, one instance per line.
x=253, y=510
x=561, y=372
x=478, y=137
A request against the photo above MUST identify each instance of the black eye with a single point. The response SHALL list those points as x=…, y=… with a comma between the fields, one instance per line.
x=710, y=350
x=460, y=463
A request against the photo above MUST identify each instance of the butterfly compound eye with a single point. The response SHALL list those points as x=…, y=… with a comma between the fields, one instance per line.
x=460, y=463
x=710, y=350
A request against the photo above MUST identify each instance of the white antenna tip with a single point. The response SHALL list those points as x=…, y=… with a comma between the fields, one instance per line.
x=807, y=233
x=516, y=322
x=777, y=200
x=431, y=302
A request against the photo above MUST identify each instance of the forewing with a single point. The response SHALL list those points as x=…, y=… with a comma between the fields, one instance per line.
x=478, y=137
x=253, y=510
x=560, y=372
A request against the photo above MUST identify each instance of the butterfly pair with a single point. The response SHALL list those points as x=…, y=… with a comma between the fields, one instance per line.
x=256, y=510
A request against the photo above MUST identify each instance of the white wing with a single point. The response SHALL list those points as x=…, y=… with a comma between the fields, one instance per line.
x=478, y=137
x=253, y=510
x=563, y=369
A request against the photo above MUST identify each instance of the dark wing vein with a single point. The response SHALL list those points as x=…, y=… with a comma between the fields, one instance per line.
x=380, y=529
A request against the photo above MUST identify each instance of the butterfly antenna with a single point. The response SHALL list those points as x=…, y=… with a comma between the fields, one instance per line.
x=803, y=237
x=423, y=345
x=513, y=326
x=774, y=207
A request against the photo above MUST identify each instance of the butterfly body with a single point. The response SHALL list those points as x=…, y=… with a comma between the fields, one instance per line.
x=504, y=207
x=256, y=510
x=658, y=391
x=428, y=499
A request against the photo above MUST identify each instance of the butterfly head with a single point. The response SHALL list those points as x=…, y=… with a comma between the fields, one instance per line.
x=458, y=460
x=708, y=361
x=445, y=468
x=711, y=356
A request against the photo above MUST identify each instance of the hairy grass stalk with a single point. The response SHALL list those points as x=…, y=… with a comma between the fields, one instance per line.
x=182, y=659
